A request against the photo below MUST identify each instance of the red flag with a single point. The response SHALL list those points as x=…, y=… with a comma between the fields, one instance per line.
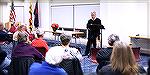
x=12, y=17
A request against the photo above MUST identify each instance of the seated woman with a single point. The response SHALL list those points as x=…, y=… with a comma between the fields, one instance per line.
x=122, y=62
x=23, y=55
x=103, y=55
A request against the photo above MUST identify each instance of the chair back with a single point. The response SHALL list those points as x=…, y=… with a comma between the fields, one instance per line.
x=20, y=65
x=72, y=66
x=136, y=51
x=93, y=54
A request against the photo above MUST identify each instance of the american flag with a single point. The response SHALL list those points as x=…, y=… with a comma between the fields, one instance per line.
x=12, y=17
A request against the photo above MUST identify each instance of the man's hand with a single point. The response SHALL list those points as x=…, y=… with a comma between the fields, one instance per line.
x=98, y=38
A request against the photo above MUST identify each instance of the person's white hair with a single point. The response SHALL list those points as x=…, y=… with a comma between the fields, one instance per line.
x=40, y=31
x=54, y=56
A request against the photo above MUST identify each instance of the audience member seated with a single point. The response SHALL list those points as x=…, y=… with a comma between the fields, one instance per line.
x=38, y=43
x=23, y=55
x=21, y=28
x=31, y=33
x=50, y=65
x=68, y=53
x=4, y=62
x=103, y=55
x=3, y=34
x=14, y=27
x=122, y=62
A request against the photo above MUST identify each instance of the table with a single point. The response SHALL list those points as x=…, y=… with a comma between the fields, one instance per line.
x=72, y=33
x=142, y=42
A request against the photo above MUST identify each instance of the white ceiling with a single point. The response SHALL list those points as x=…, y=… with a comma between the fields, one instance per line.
x=77, y=1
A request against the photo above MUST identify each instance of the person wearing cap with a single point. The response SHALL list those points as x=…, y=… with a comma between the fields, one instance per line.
x=51, y=64
x=39, y=42
x=93, y=32
x=23, y=55
x=103, y=55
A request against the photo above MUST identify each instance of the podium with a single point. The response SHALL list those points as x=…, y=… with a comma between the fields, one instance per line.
x=99, y=28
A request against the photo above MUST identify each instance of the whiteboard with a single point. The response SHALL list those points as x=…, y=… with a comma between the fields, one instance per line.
x=83, y=14
x=62, y=15
x=73, y=16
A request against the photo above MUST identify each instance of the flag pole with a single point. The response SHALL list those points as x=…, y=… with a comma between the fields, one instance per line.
x=30, y=19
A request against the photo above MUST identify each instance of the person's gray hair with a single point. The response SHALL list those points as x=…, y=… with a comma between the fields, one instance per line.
x=112, y=38
x=22, y=37
x=65, y=39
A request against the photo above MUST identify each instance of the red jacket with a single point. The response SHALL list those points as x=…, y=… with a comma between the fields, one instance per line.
x=39, y=42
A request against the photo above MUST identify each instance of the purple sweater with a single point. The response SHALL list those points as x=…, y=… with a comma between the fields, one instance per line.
x=25, y=50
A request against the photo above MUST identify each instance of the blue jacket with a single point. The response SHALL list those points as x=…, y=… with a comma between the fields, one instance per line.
x=46, y=69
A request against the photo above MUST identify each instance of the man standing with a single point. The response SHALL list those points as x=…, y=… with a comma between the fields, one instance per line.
x=93, y=27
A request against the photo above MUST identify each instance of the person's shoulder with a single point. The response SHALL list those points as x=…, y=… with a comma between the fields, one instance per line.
x=43, y=40
x=2, y=32
x=106, y=68
x=35, y=65
x=29, y=46
x=73, y=49
x=59, y=49
x=37, y=40
x=105, y=50
x=90, y=20
x=46, y=67
x=56, y=47
x=35, y=68
x=98, y=18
